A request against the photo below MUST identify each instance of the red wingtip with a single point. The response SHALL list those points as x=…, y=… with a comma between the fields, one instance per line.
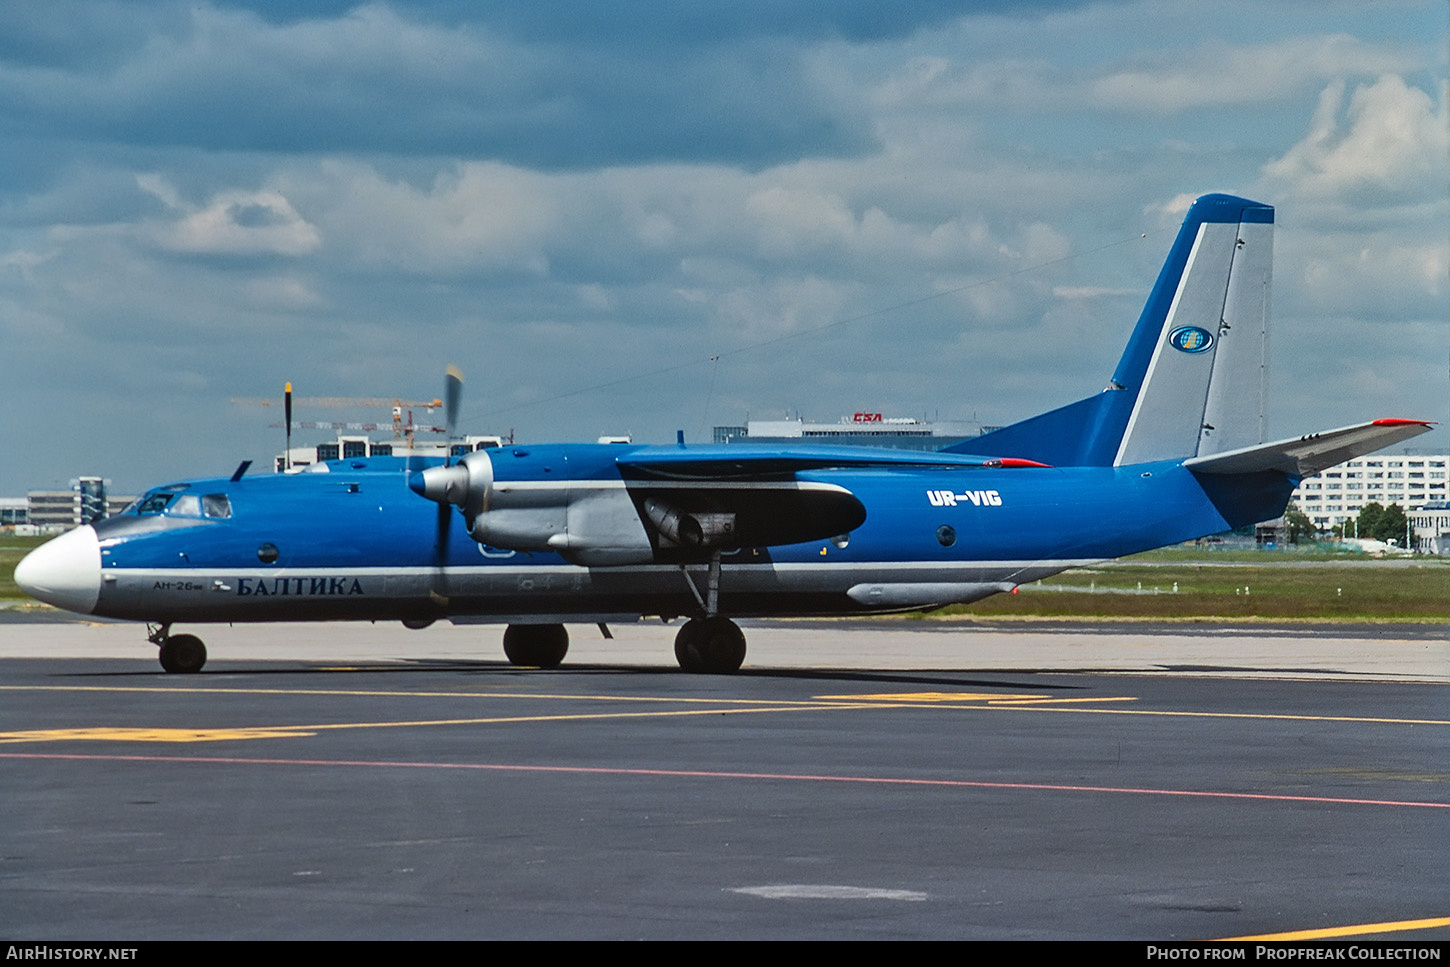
x=1020, y=462
x=1394, y=422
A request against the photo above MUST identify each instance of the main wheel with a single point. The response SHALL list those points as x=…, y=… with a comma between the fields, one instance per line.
x=536, y=646
x=711, y=645
x=182, y=654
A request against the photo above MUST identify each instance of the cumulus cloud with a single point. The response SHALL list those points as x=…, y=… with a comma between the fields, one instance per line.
x=1387, y=139
x=240, y=223
x=471, y=218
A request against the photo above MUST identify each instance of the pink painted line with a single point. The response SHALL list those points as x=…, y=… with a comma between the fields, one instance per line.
x=703, y=774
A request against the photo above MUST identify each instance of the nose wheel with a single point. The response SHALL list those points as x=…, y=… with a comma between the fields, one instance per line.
x=714, y=646
x=179, y=654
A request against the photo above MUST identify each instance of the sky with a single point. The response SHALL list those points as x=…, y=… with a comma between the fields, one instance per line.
x=635, y=217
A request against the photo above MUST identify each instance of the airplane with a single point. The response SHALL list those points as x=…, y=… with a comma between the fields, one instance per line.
x=537, y=536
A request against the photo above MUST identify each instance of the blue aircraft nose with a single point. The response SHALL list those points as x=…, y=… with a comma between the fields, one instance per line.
x=65, y=572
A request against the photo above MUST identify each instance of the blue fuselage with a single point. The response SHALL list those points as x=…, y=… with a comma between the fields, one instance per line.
x=354, y=541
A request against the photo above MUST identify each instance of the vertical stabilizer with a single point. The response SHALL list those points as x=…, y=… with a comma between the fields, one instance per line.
x=1192, y=379
x=1202, y=390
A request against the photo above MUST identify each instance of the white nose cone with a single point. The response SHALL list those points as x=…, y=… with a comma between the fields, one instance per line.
x=65, y=572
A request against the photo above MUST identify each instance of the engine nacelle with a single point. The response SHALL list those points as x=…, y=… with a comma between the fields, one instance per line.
x=466, y=484
x=589, y=524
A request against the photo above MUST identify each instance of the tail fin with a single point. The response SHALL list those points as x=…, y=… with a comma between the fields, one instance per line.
x=1192, y=380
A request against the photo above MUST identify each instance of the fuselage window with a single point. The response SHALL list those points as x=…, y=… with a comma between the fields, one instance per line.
x=216, y=505
x=153, y=504
x=946, y=535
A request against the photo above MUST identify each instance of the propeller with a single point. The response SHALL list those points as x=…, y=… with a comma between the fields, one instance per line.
x=452, y=396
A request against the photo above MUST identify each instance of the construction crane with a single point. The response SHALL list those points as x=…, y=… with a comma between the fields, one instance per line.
x=403, y=429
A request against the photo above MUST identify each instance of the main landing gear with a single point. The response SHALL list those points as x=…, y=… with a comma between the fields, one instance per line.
x=179, y=654
x=711, y=643
x=536, y=646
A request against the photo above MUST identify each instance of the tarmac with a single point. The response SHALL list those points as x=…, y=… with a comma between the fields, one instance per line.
x=1406, y=652
x=891, y=779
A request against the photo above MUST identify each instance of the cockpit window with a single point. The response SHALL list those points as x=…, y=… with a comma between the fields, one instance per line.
x=216, y=505
x=153, y=504
x=186, y=505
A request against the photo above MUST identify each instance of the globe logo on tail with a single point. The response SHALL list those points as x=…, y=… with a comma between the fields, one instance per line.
x=1190, y=339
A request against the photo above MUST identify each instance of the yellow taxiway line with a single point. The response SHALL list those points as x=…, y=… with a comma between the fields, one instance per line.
x=1358, y=930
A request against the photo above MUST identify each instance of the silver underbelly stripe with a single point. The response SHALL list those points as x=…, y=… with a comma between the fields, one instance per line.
x=561, y=570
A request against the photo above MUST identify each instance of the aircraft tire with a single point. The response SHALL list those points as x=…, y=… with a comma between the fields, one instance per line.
x=182, y=654
x=536, y=646
x=712, y=646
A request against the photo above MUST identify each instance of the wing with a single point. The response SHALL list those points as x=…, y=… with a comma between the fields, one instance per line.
x=698, y=498
x=598, y=507
x=745, y=461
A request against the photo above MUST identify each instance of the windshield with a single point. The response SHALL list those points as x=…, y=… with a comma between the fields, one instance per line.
x=153, y=503
x=173, y=504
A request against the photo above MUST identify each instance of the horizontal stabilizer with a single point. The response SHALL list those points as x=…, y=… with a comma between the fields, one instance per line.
x=1312, y=453
x=741, y=460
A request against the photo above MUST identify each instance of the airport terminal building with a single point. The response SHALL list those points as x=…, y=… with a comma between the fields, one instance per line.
x=862, y=429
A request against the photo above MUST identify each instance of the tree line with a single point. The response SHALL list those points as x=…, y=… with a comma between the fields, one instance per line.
x=1375, y=522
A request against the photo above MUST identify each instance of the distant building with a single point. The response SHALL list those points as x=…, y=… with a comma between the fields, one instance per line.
x=867, y=429
x=354, y=447
x=52, y=511
x=13, y=511
x=1431, y=525
x=1339, y=493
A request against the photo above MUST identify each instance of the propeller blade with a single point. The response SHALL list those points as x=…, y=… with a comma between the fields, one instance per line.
x=453, y=395
x=287, y=407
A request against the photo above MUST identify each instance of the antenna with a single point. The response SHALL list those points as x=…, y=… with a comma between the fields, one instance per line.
x=287, y=407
